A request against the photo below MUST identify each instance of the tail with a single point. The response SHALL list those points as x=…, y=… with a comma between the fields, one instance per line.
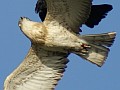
x=99, y=47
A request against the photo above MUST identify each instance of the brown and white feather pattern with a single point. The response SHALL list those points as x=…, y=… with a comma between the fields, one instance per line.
x=68, y=13
x=52, y=41
x=40, y=70
x=46, y=61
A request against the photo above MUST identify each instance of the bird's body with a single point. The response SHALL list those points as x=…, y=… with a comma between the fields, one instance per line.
x=56, y=38
x=51, y=43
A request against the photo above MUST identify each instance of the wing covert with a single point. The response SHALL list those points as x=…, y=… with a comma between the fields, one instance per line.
x=68, y=13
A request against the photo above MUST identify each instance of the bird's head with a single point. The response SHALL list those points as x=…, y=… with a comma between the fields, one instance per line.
x=35, y=31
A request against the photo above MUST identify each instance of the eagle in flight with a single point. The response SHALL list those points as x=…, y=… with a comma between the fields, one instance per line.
x=54, y=39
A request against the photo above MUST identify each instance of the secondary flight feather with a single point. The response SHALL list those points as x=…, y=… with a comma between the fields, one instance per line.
x=51, y=43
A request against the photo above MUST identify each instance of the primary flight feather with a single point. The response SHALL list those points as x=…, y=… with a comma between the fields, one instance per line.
x=51, y=43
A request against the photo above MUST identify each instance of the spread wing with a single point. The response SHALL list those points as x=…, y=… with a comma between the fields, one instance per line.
x=68, y=13
x=40, y=70
x=98, y=12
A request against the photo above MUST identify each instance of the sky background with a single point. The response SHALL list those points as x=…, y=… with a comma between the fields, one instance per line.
x=80, y=74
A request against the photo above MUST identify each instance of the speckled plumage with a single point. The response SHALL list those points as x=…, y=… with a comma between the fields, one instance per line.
x=51, y=43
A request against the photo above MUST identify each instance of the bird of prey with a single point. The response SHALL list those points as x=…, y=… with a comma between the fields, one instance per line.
x=51, y=43
x=97, y=13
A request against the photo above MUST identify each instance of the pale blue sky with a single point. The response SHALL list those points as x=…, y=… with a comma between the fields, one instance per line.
x=80, y=74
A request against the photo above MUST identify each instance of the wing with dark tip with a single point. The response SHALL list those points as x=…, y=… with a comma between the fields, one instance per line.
x=98, y=12
x=69, y=13
x=41, y=8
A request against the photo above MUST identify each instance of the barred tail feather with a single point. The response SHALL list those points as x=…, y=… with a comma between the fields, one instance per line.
x=99, y=50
